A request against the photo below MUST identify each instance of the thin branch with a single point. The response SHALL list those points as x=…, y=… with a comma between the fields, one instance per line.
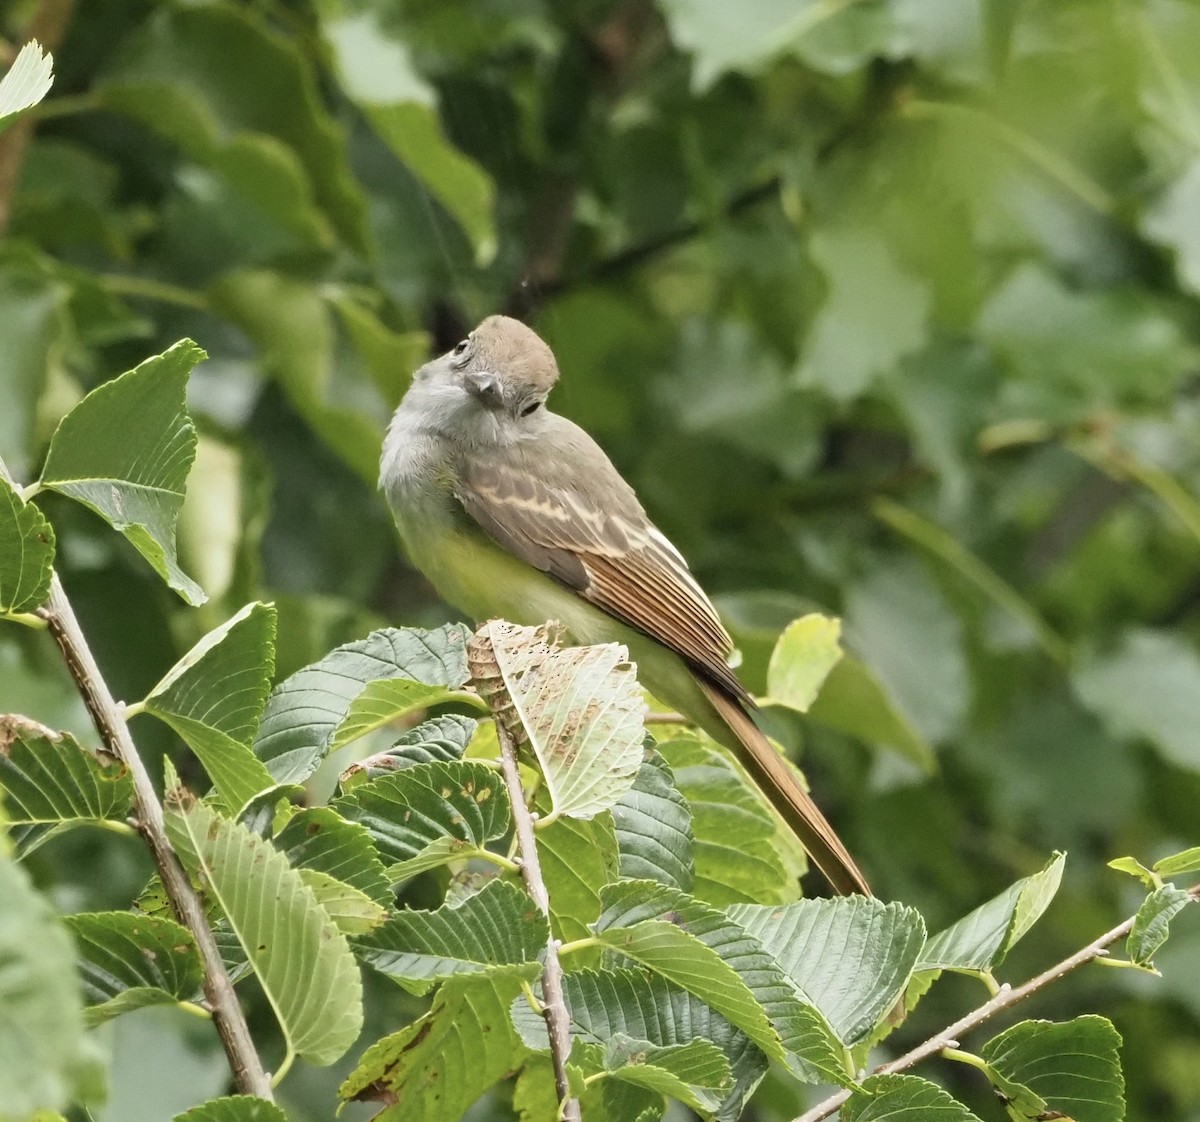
x=1007, y=997
x=247, y=1069
x=109, y=719
x=554, y=1005
x=531, y=296
x=655, y=718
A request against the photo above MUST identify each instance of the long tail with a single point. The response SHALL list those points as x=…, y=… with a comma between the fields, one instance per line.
x=769, y=771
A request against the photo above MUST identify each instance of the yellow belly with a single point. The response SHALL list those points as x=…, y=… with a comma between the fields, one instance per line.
x=475, y=575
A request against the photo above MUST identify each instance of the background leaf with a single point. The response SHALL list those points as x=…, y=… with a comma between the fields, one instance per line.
x=44, y=1058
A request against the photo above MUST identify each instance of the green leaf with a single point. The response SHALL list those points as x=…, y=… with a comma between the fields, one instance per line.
x=436, y=1067
x=129, y=961
x=1074, y=1066
x=213, y=698
x=1101, y=347
x=125, y=452
x=442, y=738
x=498, y=927
x=414, y=134
x=1186, y=862
x=578, y=858
x=27, y=81
x=691, y=1072
x=702, y=950
x=26, y=552
x=44, y=1056
x=851, y=957
x=900, y=623
x=301, y=960
x=305, y=711
x=201, y=74
x=580, y=709
x=720, y=38
x=429, y=814
x=606, y=1004
x=1147, y=687
x=1151, y=925
x=981, y=939
x=384, y=701
x=33, y=324
x=874, y=314
x=806, y=652
x=853, y=700
x=943, y=545
x=654, y=828
x=319, y=838
x=51, y=782
x=1171, y=221
x=354, y=912
x=736, y=859
x=233, y=1108
x=1135, y=869
x=290, y=322
x=399, y=107
x=903, y=1098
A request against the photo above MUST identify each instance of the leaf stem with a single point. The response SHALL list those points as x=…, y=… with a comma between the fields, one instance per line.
x=532, y=999
x=957, y=1054
x=196, y=1010
x=284, y=1067
x=106, y=714
x=1007, y=997
x=578, y=945
x=26, y=619
x=498, y=859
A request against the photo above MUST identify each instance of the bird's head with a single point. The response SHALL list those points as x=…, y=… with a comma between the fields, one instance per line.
x=491, y=386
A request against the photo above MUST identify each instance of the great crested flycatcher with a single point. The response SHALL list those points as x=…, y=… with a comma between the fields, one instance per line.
x=513, y=511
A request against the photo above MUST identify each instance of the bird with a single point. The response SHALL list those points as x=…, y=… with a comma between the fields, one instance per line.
x=513, y=511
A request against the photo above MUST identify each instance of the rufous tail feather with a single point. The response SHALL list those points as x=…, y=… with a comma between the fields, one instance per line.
x=770, y=772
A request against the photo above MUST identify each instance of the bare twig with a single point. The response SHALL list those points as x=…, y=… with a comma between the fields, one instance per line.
x=485, y=672
x=554, y=1004
x=247, y=1069
x=1007, y=997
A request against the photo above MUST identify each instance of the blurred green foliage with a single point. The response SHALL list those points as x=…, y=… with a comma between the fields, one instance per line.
x=886, y=307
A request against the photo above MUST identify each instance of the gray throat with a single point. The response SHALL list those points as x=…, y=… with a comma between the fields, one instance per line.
x=413, y=469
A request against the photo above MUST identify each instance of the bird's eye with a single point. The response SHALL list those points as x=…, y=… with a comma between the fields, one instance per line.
x=532, y=407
